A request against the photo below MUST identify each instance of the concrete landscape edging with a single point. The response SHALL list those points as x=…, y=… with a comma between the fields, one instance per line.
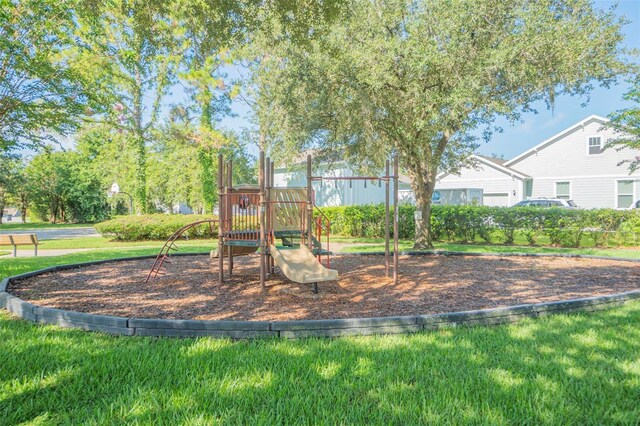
x=299, y=328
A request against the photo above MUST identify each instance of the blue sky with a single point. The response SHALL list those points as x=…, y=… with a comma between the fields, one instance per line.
x=533, y=128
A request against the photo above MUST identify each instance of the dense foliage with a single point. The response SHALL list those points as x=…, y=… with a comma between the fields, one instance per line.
x=556, y=226
x=420, y=78
x=543, y=226
x=155, y=227
x=64, y=188
x=43, y=90
x=626, y=122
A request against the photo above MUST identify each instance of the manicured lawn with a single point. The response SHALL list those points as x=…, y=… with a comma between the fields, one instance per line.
x=566, y=369
x=578, y=369
x=41, y=225
x=13, y=266
x=629, y=240
x=632, y=253
x=107, y=243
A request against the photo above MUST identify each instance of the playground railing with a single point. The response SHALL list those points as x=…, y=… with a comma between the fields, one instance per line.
x=241, y=219
x=323, y=228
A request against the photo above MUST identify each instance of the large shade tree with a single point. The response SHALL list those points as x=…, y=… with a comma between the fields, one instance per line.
x=131, y=54
x=43, y=91
x=418, y=78
x=207, y=29
x=136, y=51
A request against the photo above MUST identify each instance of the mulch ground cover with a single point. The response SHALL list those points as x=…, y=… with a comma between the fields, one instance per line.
x=189, y=288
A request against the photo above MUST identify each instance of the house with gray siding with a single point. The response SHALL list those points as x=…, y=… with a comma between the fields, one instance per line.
x=571, y=165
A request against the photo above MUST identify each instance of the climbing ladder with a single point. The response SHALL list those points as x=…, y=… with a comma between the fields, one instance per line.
x=170, y=245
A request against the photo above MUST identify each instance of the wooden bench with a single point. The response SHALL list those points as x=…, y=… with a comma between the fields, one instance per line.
x=20, y=240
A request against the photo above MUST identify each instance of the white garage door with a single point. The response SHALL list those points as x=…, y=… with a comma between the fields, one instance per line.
x=497, y=199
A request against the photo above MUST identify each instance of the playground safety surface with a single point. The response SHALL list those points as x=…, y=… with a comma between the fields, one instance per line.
x=428, y=284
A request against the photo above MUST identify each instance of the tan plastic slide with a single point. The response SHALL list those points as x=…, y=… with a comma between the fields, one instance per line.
x=301, y=266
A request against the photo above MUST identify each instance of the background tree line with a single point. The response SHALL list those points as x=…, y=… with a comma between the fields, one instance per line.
x=361, y=80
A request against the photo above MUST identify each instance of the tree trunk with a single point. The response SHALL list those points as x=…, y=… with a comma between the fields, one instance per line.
x=205, y=157
x=2, y=203
x=54, y=210
x=423, y=191
x=141, y=149
x=206, y=168
x=24, y=204
x=141, y=174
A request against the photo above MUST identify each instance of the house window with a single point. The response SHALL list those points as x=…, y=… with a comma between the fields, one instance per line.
x=563, y=190
x=625, y=191
x=594, y=145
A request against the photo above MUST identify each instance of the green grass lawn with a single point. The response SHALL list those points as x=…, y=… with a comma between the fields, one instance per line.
x=40, y=225
x=12, y=266
x=565, y=369
x=519, y=240
x=107, y=243
x=632, y=253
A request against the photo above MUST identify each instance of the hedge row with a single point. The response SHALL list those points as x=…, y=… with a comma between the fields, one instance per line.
x=154, y=227
x=563, y=227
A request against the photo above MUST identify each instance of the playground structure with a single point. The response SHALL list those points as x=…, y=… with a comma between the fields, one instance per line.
x=283, y=224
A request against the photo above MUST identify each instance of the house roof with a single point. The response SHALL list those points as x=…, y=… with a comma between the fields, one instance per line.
x=556, y=138
x=13, y=211
x=495, y=164
x=497, y=161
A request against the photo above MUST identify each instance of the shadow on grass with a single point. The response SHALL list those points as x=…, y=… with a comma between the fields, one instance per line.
x=557, y=370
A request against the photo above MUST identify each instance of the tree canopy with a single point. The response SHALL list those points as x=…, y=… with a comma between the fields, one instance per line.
x=43, y=91
x=416, y=78
x=626, y=123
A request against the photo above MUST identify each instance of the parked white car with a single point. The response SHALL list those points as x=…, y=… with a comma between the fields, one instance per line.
x=635, y=205
x=547, y=202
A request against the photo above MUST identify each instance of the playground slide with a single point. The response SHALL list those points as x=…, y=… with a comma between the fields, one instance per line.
x=236, y=251
x=301, y=266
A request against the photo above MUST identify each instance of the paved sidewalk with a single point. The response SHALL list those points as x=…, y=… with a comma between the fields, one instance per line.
x=57, y=233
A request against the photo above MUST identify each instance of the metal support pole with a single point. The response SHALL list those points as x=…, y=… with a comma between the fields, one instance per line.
x=309, y=203
x=395, y=218
x=269, y=225
x=221, y=208
x=272, y=173
x=386, y=221
x=230, y=211
x=261, y=214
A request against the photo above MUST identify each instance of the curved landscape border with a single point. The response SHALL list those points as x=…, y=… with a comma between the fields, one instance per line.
x=303, y=328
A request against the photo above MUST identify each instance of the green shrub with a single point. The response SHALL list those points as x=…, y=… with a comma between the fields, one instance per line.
x=368, y=221
x=155, y=227
x=603, y=224
x=628, y=230
x=563, y=227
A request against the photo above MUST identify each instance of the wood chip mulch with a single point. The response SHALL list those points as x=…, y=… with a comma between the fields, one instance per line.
x=189, y=289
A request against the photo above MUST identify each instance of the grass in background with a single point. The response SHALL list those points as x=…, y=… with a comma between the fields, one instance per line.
x=564, y=369
x=41, y=225
x=107, y=243
x=631, y=253
x=13, y=266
